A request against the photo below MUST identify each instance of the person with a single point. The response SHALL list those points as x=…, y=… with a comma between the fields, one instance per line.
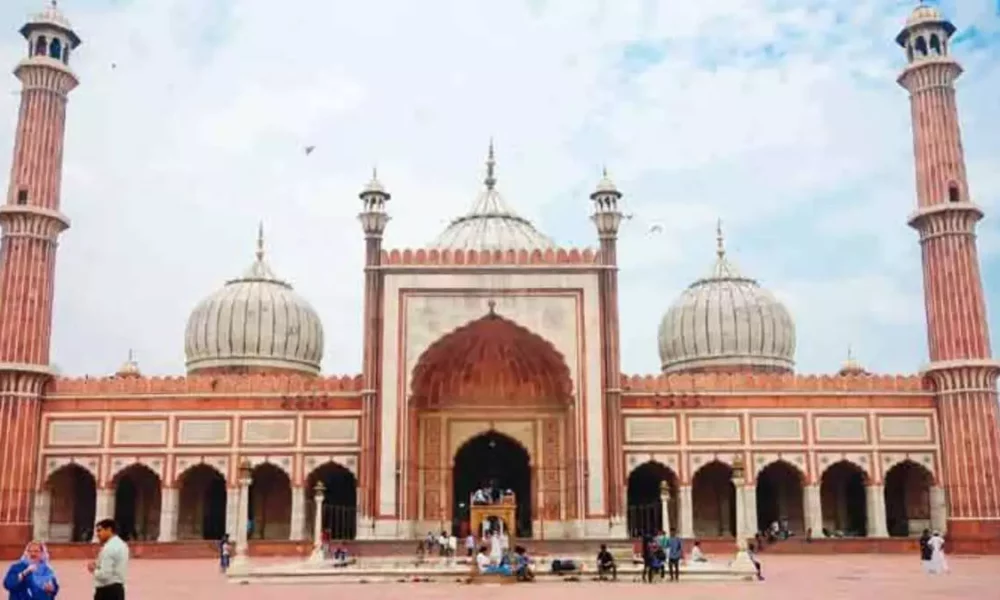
x=752, y=554
x=696, y=554
x=496, y=548
x=225, y=553
x=938, y=563
x=675, y=552
x=31, y=577
x=470, y=544
x=522, y=565
x=606, y=564
x=111, y=566
x=925, y=550
x=452, y=545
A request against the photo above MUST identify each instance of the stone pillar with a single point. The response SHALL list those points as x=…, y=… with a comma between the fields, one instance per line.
x=939, y=509
x=875, y=500
x=232, y=510
x=739, y=482
x=42, y=514
x=168, y=514
x=104, y=506
x=317, y=536
x=297, y=529
x=242, y=517
x=813, y=509
x=665, y=506
x=750, y=524
x=685, y=510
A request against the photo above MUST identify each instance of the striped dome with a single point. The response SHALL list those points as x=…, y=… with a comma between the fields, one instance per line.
x=726, y=322
x=255, y=322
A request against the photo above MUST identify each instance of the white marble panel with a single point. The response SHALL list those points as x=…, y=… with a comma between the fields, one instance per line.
x=65, y=432
x=331, y=431
x=842, y=429
x=777, y=429
x=268, y=432
x=139, y=432
x=904, y=428
x=650, y=430
x=204, y=432
x=714, y=429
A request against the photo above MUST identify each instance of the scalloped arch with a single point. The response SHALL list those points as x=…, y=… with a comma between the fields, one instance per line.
x=906, y=460
x=256, y=462
x=724, y=461
x=848, y=461
x=491, y=360
x=655, y=462
x=179, y=476
x=784, y=462
x=116, y=473
x=335, y=462
x=69, y=464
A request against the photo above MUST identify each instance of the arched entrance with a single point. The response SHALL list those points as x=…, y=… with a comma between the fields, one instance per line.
x=645, y=506
x=714, y=501
x=779, y=498
x=270, y=501
x=137, y=503
x=340, y=501
x=494, y=460
x=201, y=504
x=908, y=499
x=72, y=504
x=844, y=501
x=491, y=375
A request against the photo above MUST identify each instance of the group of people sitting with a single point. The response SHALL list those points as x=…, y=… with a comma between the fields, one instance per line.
x=494, y=557
x=490, y=494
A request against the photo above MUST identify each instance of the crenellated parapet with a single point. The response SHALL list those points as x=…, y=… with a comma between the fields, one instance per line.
x=235, y=385
x=460, y=257
x=713, y=383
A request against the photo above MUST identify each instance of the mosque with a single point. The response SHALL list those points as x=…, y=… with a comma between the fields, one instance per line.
x=492, y=353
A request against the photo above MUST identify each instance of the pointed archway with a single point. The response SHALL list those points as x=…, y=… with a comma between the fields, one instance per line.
x=908, y=499
x=844, y=500
x=644, y=497
x=72, y=504
x=340, y=501
x=498, y=461
x=270, y=503
x=201, y=504
x=780, y=497
x=491, y=374
x=137, y=503
x=714, y=500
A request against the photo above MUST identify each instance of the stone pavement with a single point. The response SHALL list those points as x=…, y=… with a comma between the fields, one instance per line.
x=876, y=577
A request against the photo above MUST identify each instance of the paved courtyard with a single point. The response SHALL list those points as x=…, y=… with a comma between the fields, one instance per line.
x=813, y=577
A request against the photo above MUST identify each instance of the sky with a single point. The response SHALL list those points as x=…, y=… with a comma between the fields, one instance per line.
x=781, y=117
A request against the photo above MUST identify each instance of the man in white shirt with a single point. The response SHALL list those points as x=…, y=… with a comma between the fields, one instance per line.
x=111, y=566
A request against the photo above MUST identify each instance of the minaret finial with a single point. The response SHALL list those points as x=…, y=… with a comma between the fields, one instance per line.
x=850, y=353
x=491, y=163
x=720, y=246
x=604, y=171
x=260, y=241
x=131, y=353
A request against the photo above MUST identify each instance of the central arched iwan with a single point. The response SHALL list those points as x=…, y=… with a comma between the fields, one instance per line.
x=487, y=372
x=493, y=362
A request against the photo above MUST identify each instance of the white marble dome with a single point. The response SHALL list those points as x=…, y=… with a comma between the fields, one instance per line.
x=726, y=322
x=255, y=322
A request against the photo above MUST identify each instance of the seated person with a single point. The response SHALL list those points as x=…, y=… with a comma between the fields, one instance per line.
x=340, y=556
x=486, y=567
x=659, y=562
x=606, y=564
x=522, y=565
x=696, y=554
x=479, y=497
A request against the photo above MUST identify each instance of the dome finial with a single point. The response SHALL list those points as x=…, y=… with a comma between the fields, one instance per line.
x=260, y=241
x=491, y=163
x=720, y=245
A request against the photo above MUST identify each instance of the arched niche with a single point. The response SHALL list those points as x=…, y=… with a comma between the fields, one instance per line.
x=843, y=497
x=713, y=497
x=340, y=501
x=780, y=497
x=72, y=504
x=907, y=489
x=644, y=499
x=138, y=493
x=201, y=508
x=270, y=502
x=496, y=460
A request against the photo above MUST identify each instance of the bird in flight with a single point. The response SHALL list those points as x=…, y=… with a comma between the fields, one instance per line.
x=309, y=150
x=655, y=229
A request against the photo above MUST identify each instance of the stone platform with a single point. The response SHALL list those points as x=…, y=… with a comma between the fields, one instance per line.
x=445, y=571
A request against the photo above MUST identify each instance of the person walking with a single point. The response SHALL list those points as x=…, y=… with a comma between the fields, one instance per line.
x=925, y=550
x=675, y=552
x=111, y=566
x=31, y=577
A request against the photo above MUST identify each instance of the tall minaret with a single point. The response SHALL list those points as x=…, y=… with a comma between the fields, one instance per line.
x=31, y=224
x=962, y=371
x=374, y=218
x=607, y=217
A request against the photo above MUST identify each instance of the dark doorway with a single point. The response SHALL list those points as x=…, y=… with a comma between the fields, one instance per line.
x=645, y=507
x=73, y=503
x=270, y=503
x=908, y=499
x=844, y=500
x=496, y=459
x=779, y=498
x=202, y=504
x=137, y=504
x=714, y=498
x=340, y=501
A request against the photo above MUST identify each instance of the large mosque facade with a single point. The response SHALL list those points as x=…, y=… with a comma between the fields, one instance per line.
x=493, y=354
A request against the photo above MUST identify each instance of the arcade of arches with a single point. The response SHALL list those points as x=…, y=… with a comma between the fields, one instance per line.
x=841, y=504
x=492, y=404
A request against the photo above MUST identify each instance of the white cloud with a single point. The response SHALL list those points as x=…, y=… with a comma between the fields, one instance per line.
x=198, y=131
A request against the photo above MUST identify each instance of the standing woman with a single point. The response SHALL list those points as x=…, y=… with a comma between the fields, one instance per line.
x=31, y=578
